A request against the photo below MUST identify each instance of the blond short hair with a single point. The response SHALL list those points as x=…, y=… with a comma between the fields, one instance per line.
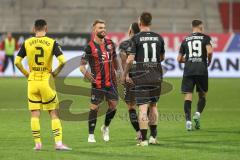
x=98, y=21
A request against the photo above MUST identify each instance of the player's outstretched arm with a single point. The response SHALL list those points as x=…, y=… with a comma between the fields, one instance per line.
x=18, y=63
x=61, y=63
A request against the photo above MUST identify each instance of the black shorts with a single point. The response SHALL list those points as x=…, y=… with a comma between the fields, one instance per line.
x=98, y=94
x=147, y=93
x=189, y=82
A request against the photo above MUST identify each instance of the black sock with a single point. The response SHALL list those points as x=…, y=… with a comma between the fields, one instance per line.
x=109, y=116
x=201, y=104
x=134, y=119
x=187, y=110
x=144, y=134
x=92, y=120
x=153, y=129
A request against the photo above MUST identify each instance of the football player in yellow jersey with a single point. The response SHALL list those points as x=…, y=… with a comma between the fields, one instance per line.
x=39, y=51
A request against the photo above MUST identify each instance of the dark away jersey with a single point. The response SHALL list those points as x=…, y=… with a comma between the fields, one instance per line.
x=194, y=49
x=147, y=48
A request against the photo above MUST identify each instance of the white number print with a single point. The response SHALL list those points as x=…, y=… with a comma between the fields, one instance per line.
x=195, y=48
x=154, y=51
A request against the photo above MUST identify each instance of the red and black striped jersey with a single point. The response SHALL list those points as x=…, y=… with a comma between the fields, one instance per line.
x=100, y=58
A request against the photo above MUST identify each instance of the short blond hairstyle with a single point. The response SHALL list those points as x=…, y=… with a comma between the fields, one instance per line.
x=98, y=21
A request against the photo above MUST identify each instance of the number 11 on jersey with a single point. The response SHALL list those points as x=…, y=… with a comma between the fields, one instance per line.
x=146, y=58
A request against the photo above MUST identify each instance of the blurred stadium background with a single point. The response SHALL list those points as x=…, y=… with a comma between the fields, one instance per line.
x=70, y=23
x=77, y=15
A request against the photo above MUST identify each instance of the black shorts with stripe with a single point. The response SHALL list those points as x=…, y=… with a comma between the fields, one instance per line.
x=98, y=94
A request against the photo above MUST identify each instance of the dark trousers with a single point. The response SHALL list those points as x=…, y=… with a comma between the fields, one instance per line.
x=6, y=62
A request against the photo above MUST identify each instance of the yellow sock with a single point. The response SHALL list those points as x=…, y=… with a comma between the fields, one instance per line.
x=57, y=130
x=35, y=126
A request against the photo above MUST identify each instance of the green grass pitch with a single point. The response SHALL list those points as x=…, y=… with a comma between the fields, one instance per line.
x=218, y=139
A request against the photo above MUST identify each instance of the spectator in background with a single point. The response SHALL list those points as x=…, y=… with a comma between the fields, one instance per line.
x=9, y=45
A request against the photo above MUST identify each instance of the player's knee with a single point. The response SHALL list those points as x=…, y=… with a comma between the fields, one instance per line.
x=112, y=105
x=143, y=118
x=35, y=113
x=202, y=94
x=131, y=106
x=188, y=96
x=153, y=105
x=153, y=121
x=53, y=114
x=143, y=108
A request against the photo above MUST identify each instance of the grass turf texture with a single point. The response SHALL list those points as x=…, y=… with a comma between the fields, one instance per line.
x=219, y=137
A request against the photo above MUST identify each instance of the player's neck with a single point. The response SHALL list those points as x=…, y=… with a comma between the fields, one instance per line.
x=99, y=40
x=40, y=34
x=196, y=31
x=145, y=29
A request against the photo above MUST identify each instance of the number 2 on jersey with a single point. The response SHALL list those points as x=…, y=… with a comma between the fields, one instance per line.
x=37, y=56
x=146, y=58
x=195, y=48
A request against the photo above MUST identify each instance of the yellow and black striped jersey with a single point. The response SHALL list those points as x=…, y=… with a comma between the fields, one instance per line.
x=39, y=52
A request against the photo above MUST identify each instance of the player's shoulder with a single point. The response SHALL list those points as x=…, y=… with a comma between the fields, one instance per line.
x=155, y=34
x=124, y=44
x=29, y=39
x=88, y=47
x=147, y=34
x=136, y=36
x=49, y=39
x=201, y=34
x=206, y=36
x=109, y=41
x=188, y=36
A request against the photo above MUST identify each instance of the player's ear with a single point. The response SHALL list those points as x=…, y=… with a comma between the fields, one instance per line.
x=33, y=30
x=46, y=29
x=202, y=28
x=93, y=29
x=139, y=24
x=129, y=32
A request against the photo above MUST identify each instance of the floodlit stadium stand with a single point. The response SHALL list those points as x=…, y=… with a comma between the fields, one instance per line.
x=77, y=15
